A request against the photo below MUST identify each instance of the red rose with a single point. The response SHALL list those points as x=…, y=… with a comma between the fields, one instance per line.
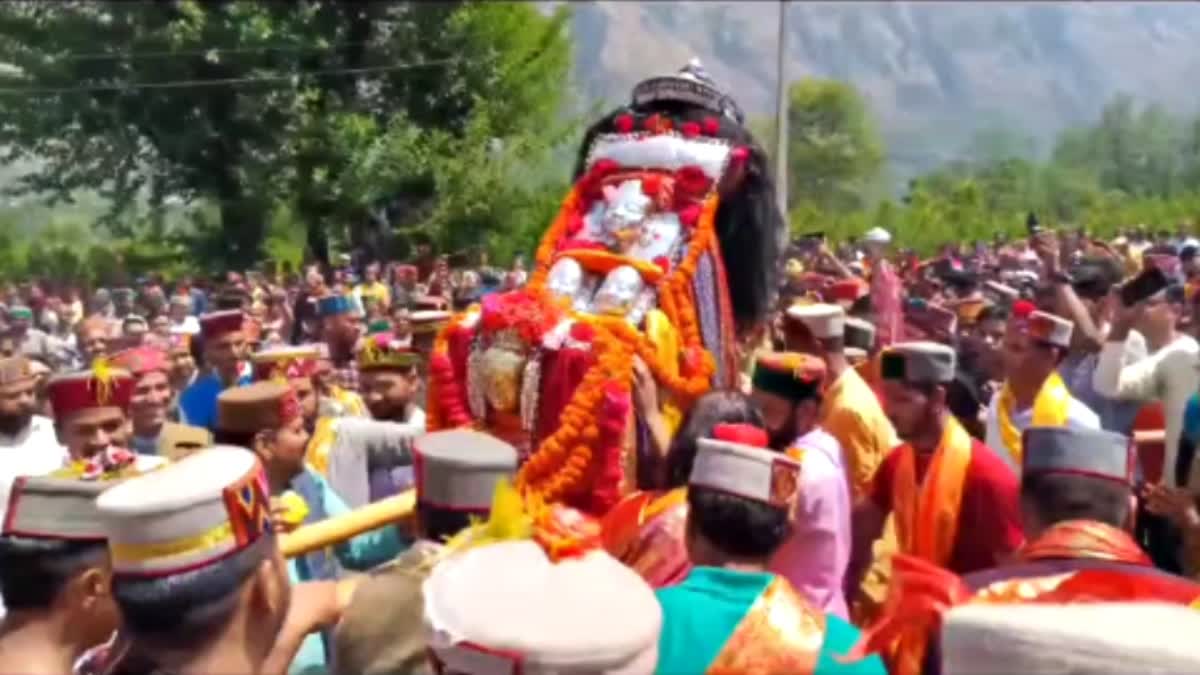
x=740, y=153
x=624, y=123
x=652, y=185
x=589, y=185
x=691, y=182
x=582, y=331
x=663, y=263
x=689, y=214
x=711, y=126
x=690, y=129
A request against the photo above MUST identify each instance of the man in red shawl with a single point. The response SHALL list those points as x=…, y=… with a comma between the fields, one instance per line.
x=1077, y=510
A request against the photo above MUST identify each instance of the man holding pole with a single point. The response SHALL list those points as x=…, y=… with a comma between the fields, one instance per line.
x=266, y=417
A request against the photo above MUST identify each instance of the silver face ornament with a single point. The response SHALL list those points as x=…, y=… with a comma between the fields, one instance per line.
x=619, y=291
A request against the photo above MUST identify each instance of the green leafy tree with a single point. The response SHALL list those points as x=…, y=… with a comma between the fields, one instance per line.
x=835, y=153
x=237, y=103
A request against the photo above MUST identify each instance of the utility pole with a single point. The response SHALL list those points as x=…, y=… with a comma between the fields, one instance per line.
x=781, y=114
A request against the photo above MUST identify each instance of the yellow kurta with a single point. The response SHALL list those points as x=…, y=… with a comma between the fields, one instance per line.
x=851, y=413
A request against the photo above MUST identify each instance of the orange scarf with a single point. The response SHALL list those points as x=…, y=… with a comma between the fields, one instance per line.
x=927, y=520
x=927, y=514
x=1049, y=410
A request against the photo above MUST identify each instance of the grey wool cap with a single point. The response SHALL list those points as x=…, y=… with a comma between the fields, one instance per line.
x=918, y=362
x=458, y=469
x=1086, y=452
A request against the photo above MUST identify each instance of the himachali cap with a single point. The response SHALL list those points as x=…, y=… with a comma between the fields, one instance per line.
x=507, y=608
x=918, y=362
x=736, y=461
x=1050, y=329
x=458, y=469
x=823, y=321
x=1084, y=452
x=286, y=363
x=336, y=305
x=216, y=324
x=692, y=85
x=791, y=375
x=385, y=352
x=1085, y=638
x=859, y=333
x=428, y=321
x=187, y=515
x=141, y=360
x=256, y=407
x=20, y=312
x=100, y=387
x=15, y=370
x=847, y=290
x=62, y=505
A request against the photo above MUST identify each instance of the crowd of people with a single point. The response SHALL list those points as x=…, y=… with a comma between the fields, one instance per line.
x=919, y=465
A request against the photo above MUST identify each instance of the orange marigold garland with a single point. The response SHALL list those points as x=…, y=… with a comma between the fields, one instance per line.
x=582, y=456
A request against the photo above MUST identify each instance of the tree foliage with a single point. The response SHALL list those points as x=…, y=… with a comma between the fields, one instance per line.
x=1135, y=165
x=246, y=106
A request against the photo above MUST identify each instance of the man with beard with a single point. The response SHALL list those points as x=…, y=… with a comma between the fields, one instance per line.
x=152, y=433
x=224, y=348
x=943, y=487
x=27, y=441
x=371, y=459
x=814, y=556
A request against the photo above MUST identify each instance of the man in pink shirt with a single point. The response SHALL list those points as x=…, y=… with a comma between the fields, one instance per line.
x=814, y=558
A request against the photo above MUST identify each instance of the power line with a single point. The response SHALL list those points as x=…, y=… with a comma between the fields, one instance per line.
x=114, y=56
x=185, y=84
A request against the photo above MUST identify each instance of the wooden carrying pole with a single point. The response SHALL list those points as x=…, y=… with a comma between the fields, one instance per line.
x=396, y=509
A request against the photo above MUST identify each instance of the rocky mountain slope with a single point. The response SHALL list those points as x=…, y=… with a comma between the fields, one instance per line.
x=934, y=73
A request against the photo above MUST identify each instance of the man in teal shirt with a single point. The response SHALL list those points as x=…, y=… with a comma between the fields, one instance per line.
x=266, y=417
x=730, y=614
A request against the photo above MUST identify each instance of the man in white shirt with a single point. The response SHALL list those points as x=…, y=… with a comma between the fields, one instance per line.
x=182, y=321
x=28, y=445
x=1034, y=345
x=1169, y=374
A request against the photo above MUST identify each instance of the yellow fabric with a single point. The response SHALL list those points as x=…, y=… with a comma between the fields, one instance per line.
x=135, y=553
x=851, y=413
x=1049, y=410
x=378, y=291
x=666, y=341
x=317, y=453
x=351, y=402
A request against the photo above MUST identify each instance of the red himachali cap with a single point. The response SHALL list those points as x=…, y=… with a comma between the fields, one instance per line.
x=100, y=387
